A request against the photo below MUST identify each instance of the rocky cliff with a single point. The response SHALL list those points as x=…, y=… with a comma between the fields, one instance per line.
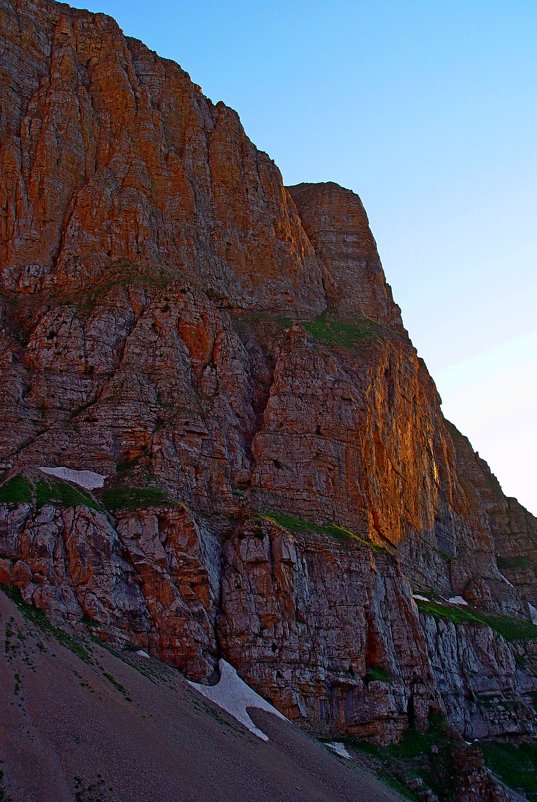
x=282, y=489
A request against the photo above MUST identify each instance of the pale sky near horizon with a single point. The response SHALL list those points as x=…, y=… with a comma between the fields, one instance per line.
x=428, y=111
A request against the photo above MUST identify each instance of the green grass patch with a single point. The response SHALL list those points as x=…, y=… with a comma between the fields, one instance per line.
x=125, y=274
x=323, y=329
x=330, y=331
x=415, y=743
x=377, y=674
x=508, y=627
x=511, y=628
x=62, y=494
x=17, y=490
x=515, y=765
x=128, y=464
x=521, y=660
x=299, y=525
x=121, y=688
x=458, y=615
x=261, y=322
x=511, y=562
x=444, y=554
x=400, y=764
x=38, y=618
x=281, y=321
x=133, y=498
x=397, y=786
x=147, y=670
x=167, y=405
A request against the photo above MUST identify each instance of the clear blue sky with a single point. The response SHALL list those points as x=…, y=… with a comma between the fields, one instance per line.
x=427, y=110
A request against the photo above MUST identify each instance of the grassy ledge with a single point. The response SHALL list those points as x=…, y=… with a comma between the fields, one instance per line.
x=397, y=786
x=513, y=562
x=38, y=618
x=133, y=498
x=261, y=322
x=516, y=766
x=330, y=331
x=299, y=525
x=62, y=494
x=424, y=756
x=377, y=674
x=508, y=627
x=17, y=490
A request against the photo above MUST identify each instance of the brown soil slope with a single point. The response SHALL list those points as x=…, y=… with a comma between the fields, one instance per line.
x=78, y=722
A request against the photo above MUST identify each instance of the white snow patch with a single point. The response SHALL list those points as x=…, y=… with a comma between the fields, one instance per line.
x=458, y=600
x=533, y=613
x=141, y=653
x=419, y=597
x=89, y=480
x=338, y=748
x=233, y=695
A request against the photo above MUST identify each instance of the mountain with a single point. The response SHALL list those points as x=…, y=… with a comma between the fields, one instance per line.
x=281, y=489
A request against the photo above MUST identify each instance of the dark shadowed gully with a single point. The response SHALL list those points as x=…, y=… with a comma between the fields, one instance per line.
x=281, y=489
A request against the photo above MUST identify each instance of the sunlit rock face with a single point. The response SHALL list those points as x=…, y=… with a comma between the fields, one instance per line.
x=174, y=318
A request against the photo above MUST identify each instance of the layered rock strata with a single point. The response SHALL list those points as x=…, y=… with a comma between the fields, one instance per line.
x=175, y=318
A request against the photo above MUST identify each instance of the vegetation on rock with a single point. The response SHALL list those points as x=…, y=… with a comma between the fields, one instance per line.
x=508, y=627
x=16, y=490
x=62, y=494
x=515, y=764
x=299, y=525
x=133, y=498
x=330, y=331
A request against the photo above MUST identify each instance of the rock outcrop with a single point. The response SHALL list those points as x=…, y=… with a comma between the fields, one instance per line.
x=280, y=478
x=151, y=581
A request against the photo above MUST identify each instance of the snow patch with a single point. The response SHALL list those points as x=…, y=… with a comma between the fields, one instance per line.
x=458, y=600
x=141, y=653
x=89, y=480
x=339, y=748
x=533, y=613
x=419, y=597
x=234, y=696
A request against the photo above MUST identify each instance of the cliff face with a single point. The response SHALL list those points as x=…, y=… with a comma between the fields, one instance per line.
x=227, y=352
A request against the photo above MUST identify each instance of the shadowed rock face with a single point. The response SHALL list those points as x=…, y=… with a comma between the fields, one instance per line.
x=172, y=316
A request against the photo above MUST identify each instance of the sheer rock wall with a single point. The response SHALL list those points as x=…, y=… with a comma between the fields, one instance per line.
x=172, y=316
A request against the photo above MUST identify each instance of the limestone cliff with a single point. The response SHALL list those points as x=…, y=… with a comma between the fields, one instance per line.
x=281, y=481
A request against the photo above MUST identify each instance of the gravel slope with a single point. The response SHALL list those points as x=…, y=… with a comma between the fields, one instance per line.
x=80, y=724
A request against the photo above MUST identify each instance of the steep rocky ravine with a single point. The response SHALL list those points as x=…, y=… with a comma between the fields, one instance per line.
x=226, y=351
